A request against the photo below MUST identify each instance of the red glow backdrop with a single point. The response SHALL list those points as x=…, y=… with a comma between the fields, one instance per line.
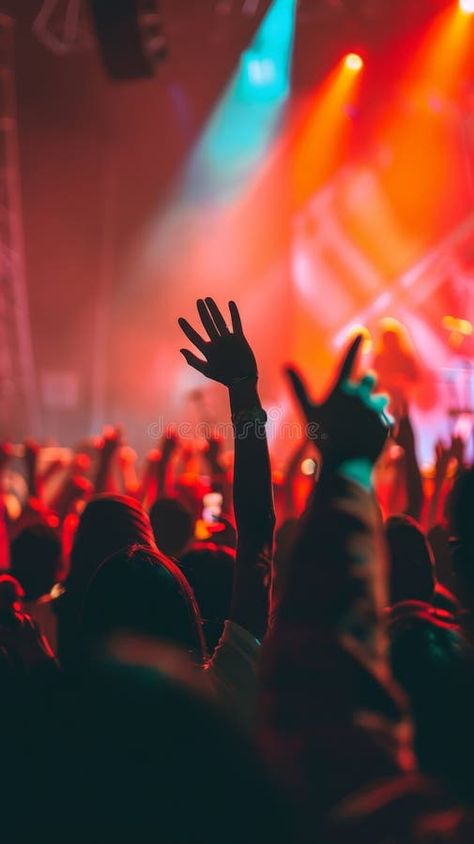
x=359, y=206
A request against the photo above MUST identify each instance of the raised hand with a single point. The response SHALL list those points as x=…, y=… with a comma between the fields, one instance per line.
x=228, y=357
x=351, y=423
x=127, y=457
x=111, y=441
x=81, y=464
x=6, y=453
x=458, y=448
x=404, y=435
x=442, y=460
x=213, y=449
x=32, y=450
x=169, y=444
x=108, y=448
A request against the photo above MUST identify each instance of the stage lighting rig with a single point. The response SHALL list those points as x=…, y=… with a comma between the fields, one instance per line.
x=130, y=36
x=61, y=26
x=247, y=7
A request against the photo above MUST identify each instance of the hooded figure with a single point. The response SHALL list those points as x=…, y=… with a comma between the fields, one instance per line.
x=109, y=523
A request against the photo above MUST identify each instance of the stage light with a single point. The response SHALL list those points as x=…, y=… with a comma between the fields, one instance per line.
x=354, y=62
x=462, y=326
x=467, y=6
x=308, y=467
x=261, y=71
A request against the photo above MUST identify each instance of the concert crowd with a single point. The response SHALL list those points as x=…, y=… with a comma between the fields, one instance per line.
x=196, y=649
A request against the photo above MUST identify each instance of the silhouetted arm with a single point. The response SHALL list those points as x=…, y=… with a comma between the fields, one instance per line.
x=413, y=478
x=330, y=714
x=108, y=449
x=253, y=508
x=229, y=360
x=32, y=450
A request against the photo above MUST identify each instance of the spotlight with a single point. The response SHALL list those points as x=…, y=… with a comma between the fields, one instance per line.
x=467, y=6
x=354, y=62
x=308, y=467
x=261, y=71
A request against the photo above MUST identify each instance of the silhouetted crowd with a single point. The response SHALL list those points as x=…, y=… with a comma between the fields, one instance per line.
x=211, y=651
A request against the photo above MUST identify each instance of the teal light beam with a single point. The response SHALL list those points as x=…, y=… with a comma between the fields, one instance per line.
x=246, y=119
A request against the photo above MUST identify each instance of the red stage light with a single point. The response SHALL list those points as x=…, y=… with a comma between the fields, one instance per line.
x=467, y=6
x=354, y=62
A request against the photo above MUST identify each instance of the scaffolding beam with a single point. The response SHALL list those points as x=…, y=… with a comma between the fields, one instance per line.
x=19, y=408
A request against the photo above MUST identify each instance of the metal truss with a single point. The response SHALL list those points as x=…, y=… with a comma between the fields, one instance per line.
x=19, y=410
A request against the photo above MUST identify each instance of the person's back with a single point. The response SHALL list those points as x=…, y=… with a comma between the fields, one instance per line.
x=109, y=523
x=210, y=571
x=411, y=561
x=36, y=559
x=173, y=526
x=433, y=663
x=140, y=591
x=23, y=649
x=131, y=749
x=461, y=543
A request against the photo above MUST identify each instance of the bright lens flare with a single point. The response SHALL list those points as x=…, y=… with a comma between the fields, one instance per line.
x=354, y=62
x=467, y=6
